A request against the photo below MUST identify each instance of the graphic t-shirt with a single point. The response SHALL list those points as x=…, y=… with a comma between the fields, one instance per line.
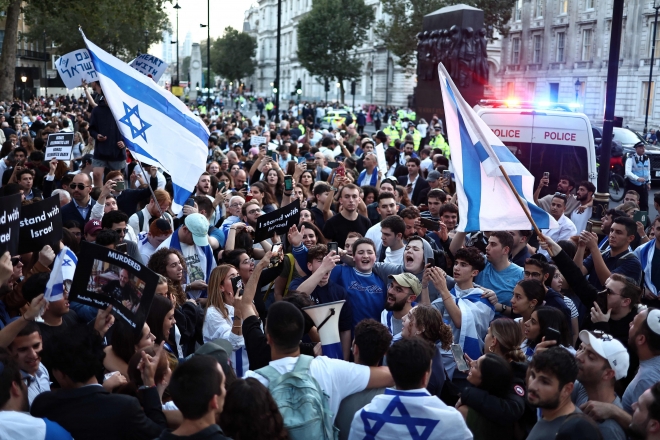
x=367, y=292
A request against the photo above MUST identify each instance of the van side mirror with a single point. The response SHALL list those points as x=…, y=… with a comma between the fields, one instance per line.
x=598, y=140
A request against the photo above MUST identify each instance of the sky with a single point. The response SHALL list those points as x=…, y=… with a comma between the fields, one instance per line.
x=193, y=12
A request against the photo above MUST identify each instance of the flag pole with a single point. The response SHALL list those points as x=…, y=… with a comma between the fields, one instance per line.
x=461, y=102
x=148, y=183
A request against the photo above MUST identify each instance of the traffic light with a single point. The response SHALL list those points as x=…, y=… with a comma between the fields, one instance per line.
x=327, y=85
x=353, y=87
x=299, y=87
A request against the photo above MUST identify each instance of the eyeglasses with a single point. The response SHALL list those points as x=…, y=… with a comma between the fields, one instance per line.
x=79, y=186
x=15, y=261
x=121, y=231
x=532, y=274
x=236, y=205
x=560, y=195
x=609, y=292
x=254, y=211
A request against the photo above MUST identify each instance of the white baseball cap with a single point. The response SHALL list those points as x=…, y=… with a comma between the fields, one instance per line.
x=609, y=348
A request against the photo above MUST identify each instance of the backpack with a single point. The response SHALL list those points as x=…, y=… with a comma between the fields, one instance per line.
x=301, y=401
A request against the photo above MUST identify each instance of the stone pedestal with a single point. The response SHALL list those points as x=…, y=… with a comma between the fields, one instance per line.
x=195, y=73
x=450, y=35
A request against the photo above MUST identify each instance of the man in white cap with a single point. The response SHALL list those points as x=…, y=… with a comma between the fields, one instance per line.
x=192, y=240
x=644, y=341
x=602, y=360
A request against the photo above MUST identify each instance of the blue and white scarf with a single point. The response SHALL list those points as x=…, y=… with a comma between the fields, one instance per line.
x=374, y=178
x=645, y=254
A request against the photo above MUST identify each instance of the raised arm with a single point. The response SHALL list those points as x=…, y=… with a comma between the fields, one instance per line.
x=329, y=263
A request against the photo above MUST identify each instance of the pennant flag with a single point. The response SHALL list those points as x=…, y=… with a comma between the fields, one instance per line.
x=485, y=200
x=64, y=267
x=155, y=125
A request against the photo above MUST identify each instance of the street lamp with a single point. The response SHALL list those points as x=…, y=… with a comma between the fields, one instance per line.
x=648, y=88
x=23, y=80
x=208, y=49
x=177, y=7
x=578, y=86
x=45, y=66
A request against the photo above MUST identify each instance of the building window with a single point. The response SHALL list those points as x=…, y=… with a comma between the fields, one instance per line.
x=650, y=40
x=537, y=49
x=645, y=94
x=515, y=50
x=518, y=10
x=563, y=7
x=531, y=91
x=510, y=89
x=590, y=4
x=586, y=44
x=538, y=8
x=561, y=40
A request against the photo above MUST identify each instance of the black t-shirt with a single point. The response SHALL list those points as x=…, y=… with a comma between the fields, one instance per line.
x=49, y=334
x=338, y=227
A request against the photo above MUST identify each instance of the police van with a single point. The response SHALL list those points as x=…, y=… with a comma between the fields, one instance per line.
x=544, y=137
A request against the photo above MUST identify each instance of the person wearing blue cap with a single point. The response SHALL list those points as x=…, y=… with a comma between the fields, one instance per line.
x=192, y=240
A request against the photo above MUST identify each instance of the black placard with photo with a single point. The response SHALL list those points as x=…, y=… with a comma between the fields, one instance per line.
x=278, y=221
x=41, y=225
x=107, y=277
x=10, y=216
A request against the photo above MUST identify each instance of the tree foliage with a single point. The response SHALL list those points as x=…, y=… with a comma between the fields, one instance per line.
x=232, y=55
x=406, y=18
x=327, y=52
x=117, y=26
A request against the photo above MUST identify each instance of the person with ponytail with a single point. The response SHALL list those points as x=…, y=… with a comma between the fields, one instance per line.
x=503, y=339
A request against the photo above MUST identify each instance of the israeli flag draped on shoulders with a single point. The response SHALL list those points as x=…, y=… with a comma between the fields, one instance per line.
x=476, y=315
x=411, y=414
x=64, y=267
x=156, y=126
x=645, y=254
x=485, y=200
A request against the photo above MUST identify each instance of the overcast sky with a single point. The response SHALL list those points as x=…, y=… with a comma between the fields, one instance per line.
x=193, y=12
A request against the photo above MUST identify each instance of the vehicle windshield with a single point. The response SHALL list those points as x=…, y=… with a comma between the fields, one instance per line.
x=626, y=136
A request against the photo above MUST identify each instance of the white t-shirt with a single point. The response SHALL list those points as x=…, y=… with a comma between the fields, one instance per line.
x=374, y=234
x=580, y=220
x=145, y=248
x=394, y=257
x=195, y=262
x=337, y=378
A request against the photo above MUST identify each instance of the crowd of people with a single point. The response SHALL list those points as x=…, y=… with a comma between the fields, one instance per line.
x=442, y=333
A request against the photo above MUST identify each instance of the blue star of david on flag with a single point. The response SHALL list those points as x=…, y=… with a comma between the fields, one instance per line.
x=66, y=262
x=374, y=422
x=126, y=119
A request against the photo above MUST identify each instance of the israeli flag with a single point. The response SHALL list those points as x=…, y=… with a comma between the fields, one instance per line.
x=485, y=200
x=64, y=267
x=476, y=314
x=156, y=126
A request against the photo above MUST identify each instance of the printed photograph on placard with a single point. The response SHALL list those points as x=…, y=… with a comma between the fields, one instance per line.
x=120, y=287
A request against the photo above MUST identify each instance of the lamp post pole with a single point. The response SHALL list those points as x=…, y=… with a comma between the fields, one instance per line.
x=648, y=88
x=177, y=7
x=46, y=61
x=277, y=61
x=208, y=53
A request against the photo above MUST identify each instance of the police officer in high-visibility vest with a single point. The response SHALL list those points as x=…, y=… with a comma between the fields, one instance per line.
x=269, y=108
x=438, y=141
x=638, y=175
x=392, y=131
x=412, y=115
x=416, y=135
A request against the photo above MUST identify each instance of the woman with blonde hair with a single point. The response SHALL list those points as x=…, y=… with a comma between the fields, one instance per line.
x=221, y=320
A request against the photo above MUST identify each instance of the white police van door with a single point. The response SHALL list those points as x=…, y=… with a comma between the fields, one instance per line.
x=557, y=142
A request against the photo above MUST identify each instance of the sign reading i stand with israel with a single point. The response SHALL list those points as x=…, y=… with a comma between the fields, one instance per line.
x=75, y=67
x=155, y=125
x=485, y=200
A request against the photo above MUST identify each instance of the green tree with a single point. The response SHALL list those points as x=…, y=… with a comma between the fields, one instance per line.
x=117, y=26
x=328, y=52
x=9, y=46
x=232, y=55
x=399, y=33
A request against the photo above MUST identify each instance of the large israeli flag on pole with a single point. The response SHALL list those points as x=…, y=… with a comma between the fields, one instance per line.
x=485, y=200
x=156, y=126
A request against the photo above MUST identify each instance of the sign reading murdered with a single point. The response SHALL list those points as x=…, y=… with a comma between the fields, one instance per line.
x=40, y=225
x=59, y=146
x=277, y=222
x=10, y=215
x=75, y=67
x=109, y=277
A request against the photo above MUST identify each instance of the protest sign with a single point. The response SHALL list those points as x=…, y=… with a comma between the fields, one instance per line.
x=10, y=215
x=278, y=221
x=257, y=140
x=59, y=146
x=41, y=224
x=150, y=65
x=75, y=67
x=109, y=277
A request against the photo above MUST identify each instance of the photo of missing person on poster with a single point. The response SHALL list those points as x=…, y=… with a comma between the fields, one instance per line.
x=117, y=284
